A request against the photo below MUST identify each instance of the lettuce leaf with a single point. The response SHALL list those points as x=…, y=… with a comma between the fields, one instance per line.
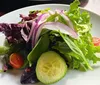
x=78, y=52
x=80, y=20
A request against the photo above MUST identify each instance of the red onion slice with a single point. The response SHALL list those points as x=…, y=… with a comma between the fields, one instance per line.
x=33, y=28
x=57, y=26
x=41, y=19
x=31, y=32
x=68, y=21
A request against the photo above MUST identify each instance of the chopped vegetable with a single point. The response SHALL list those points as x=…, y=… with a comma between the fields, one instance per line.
x=16, y=60
x=51, y=67
x=96, y=41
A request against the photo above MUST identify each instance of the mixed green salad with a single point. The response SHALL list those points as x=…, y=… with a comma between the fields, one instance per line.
x=46, y=43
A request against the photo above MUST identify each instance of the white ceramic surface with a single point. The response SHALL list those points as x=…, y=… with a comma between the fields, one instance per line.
x=72, y=77
x=94, y=6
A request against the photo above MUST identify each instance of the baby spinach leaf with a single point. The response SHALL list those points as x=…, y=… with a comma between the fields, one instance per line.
x=41, y=47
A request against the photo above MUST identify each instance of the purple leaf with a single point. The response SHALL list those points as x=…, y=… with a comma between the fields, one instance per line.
x=12, y=32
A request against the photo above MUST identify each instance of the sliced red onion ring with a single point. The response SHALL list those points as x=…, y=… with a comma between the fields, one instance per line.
x=57, y=26
x=42, y=18
x=31, y=32
x=69, y=23
x=34, y=27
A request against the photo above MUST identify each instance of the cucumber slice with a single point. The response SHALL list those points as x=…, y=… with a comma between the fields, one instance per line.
x=50, y=67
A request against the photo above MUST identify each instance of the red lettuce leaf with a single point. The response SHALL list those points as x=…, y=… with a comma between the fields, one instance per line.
x=12, y=32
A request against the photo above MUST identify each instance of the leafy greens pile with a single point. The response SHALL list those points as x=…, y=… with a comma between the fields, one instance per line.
x=77, y=52
x=66, y=32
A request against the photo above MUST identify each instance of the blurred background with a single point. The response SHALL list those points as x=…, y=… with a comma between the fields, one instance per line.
x=10, y=5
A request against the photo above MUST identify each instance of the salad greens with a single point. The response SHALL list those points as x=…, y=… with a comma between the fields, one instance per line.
x=39, y=48
x=3, y=50
x=68, y=33
x=81, y=21
x=76, y=51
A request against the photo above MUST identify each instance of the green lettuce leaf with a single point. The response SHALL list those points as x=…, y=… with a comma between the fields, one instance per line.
x=80, y=20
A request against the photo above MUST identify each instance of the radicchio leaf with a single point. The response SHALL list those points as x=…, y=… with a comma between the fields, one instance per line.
x=31, y=16
x=29, y=76
x=12, y=32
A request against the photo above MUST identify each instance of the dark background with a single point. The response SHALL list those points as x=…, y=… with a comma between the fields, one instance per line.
x=10, y=5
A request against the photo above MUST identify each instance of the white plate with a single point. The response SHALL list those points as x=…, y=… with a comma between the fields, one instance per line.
x=73, y=77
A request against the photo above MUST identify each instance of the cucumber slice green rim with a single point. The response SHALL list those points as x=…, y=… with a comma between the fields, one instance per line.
x=51, y=67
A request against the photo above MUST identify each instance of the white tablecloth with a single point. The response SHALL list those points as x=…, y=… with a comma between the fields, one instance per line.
x=94, y=6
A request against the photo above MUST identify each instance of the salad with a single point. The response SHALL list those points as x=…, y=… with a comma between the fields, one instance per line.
x=46, y=43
